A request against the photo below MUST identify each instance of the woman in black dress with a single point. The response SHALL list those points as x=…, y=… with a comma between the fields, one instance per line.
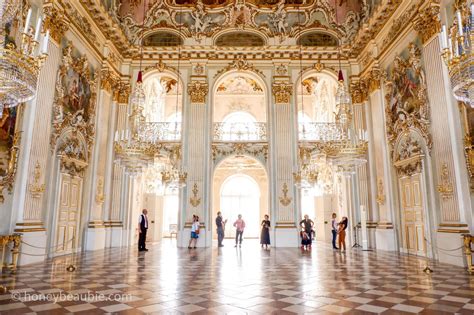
x=265, y=234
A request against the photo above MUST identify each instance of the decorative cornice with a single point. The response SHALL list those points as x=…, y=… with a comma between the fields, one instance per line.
x=198, y=90
x=282, y=92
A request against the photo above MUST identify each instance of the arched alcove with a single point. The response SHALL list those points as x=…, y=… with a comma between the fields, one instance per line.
x=239, y=39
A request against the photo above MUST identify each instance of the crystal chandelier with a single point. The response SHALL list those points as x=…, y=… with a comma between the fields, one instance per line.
x=351, y=148
x=8, y=9
x=458, y=52
x=20, y=66
x=132, y=153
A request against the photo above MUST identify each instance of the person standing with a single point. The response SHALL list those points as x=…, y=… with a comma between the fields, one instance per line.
x=239, y=224
x=194, y=232
x=220, y=226
x=142, y=228
x=334, y=229
x=342, y=233
x=265, y=233
x=307, y=225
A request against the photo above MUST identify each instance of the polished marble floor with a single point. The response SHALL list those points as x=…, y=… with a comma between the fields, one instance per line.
x=168, y=280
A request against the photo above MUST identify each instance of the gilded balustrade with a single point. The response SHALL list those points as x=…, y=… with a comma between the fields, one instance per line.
x=240, y=132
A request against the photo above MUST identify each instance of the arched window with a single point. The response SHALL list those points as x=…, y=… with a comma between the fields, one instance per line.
x=239, y=126
x=240, y=194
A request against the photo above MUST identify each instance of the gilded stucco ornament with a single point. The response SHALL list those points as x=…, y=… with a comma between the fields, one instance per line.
x=240, y=64
x=72, y=155
x=37, y=188
x=408, y=159
x=445, y=186
x=282, y=92
x=195, y=200
x=285, y=200
x=198, y=90
x=75, y=99
x=55, y=21
x=428, y=23
x=406, y=98
x=7, y=178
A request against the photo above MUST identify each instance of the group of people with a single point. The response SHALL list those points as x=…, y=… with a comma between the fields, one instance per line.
x=338, y=230
x=307, y=233
x=239, y=225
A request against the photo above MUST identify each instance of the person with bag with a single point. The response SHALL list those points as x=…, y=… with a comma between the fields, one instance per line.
x=194, y=232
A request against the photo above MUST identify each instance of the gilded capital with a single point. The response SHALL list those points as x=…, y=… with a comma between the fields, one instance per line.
x=122, y=92
x=373, y=80
x=108, y=80
x=282, y=92
x=55, y=21
x=359, y=92
x=198, y=90
x=428, y=24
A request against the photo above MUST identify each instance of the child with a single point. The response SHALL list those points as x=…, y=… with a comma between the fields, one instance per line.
x=194, y=232
x=305, y=240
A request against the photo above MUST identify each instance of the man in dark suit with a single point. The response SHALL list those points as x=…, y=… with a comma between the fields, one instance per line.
x=142, y=228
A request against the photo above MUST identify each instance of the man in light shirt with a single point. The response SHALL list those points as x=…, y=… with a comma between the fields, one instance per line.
x=334, y=228
x=142, y=228
x=240, y=226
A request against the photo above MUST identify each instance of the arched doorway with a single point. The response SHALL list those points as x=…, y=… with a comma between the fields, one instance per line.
x=240, y=186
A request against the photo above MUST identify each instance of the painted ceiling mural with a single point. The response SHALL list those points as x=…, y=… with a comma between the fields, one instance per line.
x=274, y=18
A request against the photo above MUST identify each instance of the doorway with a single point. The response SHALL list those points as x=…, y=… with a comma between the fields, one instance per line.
x=240, y=187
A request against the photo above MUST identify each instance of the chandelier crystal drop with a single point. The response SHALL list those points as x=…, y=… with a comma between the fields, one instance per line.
x=8, y=10
x=458, y=52
x=20, y=65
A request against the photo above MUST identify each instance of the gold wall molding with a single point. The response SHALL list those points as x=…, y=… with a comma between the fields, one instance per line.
x=285, y=200
x=195, y=200
x=198, y=91
x=160, y=66
x=223, y=150
x=282, y=92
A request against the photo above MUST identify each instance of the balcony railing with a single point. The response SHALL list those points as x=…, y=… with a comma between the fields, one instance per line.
x=153, y=132
x=327, y=132
x=240, y=132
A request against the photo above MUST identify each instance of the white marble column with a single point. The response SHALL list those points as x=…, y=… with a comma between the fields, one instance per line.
x=454, y=210
x=29, y=212
x=283, y=148
x=196, y=154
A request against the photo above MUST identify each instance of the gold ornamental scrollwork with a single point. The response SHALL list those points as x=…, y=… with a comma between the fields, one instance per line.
x=285, y=200
x=198, y=90
x=282, y=92
x=37, y=188
x=72, y=156
x=195, y=200
x=445, y=187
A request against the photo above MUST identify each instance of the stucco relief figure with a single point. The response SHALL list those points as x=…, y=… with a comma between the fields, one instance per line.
x=240, y=14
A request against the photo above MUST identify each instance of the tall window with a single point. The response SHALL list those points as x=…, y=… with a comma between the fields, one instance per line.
x=240, y=194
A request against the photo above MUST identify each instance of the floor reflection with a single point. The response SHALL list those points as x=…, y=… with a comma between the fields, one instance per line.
x=247, y=280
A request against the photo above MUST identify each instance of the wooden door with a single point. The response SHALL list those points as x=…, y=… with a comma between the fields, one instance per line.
x=413, y=228
x=68, y=214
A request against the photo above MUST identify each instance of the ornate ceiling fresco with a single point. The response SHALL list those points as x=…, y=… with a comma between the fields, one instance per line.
x=279, y=19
